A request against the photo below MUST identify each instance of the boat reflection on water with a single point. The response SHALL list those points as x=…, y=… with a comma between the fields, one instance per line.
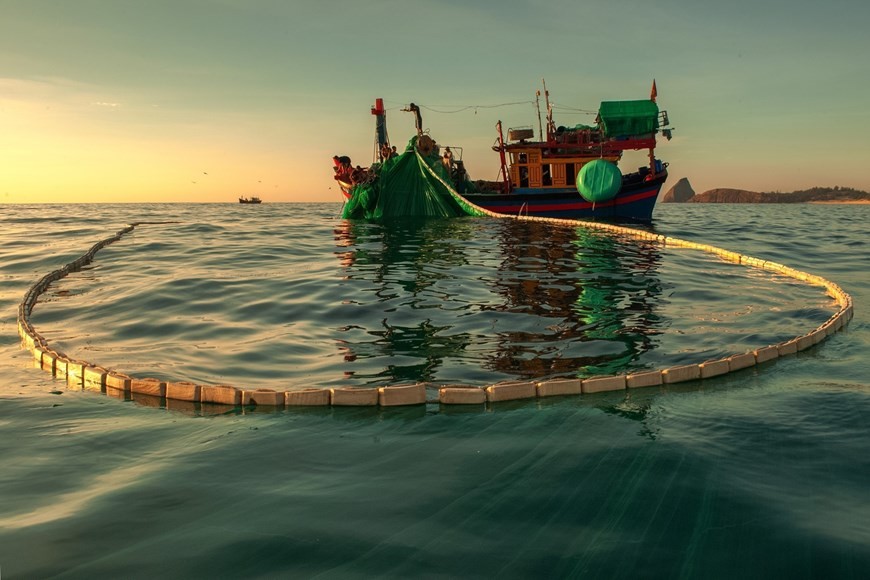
x=596, y=295
x=403, y=279
x=478, y=301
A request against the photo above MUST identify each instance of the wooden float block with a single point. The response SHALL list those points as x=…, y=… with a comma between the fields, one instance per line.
x=681, y=374
x=827, y=329
x=95, y=375
x=775, y=266
x=220, y=395
x=714, y=368
x=47, y=361
x=461, y=396
x=118, y=380
x=402, y=395
x=727, y=255
x=349, y=397
x=789, y=347
x=765, y=354
x=510, y=391
x=741, y=361
x=307, y=398
x=782, y=269
x=36, y=352
x=263, y=398
x=28, y=333
x=183, y=391
x=818, y=335
x=148, y=386
x=677, y=243
x=30, y=342
x=833, y=290
x=560, y=387
x=800, y=275
x=61, y=367
x=804, y=342
x=75, y=373
x=645, y=379
x=750, y=261
x=603, y=384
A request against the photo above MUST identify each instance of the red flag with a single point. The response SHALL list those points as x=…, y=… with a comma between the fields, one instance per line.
x=653, y=93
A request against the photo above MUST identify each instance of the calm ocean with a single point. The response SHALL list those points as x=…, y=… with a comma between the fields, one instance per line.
x=759, y=474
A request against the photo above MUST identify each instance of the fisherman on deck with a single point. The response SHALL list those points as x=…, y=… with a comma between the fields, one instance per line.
x=448, y=159
x=342, y=168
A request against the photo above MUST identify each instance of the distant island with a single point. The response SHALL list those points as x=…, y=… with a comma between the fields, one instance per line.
x=682, y=192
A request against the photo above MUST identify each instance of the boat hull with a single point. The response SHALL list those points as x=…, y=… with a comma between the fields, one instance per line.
x=634, y=202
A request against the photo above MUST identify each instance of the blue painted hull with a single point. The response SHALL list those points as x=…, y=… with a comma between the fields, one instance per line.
x=634, y=202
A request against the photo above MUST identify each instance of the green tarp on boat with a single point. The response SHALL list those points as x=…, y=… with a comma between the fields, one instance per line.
x=403, y=187
x=628, y=118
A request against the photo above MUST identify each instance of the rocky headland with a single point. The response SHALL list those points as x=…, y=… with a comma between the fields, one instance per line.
x=682, y=192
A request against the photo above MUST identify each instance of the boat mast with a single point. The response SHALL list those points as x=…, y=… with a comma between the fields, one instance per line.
x=550, y=127
x=538, y=107
x=380, y=128
x=504, y=170
x=652, y=150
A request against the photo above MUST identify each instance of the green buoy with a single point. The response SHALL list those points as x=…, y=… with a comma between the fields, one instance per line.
x=599, y=181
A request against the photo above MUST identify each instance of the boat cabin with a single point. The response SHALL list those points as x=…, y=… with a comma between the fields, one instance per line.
x=555, y=162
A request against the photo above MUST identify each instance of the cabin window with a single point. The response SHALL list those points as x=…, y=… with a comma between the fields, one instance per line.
x=546, y=178
x=524, y=176
x=570, y=175
x=523, y=158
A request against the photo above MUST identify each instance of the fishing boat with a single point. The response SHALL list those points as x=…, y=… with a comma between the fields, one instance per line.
x=568, y=172
x=250, y=200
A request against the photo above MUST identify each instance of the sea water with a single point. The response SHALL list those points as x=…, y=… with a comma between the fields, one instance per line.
x=762, y=473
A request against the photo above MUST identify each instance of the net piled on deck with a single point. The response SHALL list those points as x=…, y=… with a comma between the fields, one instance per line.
x=402, y=187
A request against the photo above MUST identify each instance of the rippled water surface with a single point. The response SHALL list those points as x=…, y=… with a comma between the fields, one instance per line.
x=759, y=474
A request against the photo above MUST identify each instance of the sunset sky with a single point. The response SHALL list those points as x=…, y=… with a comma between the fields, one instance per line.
x=206, y=100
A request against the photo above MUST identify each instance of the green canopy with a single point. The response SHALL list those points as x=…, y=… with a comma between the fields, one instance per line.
x=628, y=118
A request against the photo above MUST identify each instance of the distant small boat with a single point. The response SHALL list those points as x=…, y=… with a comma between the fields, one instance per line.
x=250, y=200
